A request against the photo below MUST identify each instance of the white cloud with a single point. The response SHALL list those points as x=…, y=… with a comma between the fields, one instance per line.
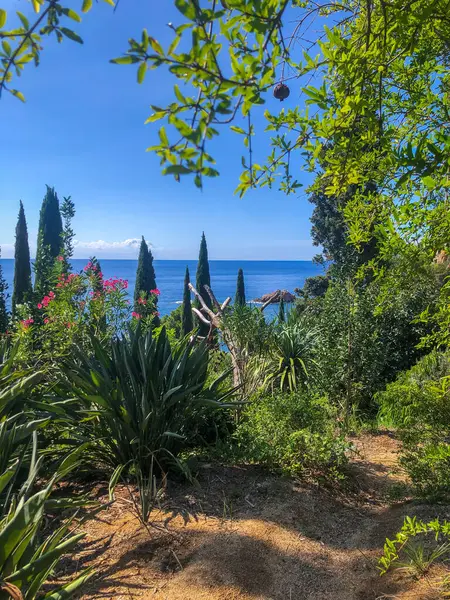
x=120, y=249
x=7, y=250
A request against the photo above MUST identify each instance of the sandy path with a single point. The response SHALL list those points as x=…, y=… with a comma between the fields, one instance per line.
x=248, y=536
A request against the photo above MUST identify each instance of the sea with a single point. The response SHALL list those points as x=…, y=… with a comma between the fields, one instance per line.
x=261, y=277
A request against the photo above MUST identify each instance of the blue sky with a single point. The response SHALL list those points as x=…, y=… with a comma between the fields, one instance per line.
x=82, y=130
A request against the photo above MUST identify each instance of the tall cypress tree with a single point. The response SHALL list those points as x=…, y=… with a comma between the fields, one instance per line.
x=145, y=276
x=203, y=277
x=187, y=324
x=240, y=289
x=281, y=311
x=22, y=266
x=3, y=295
x=50, y=239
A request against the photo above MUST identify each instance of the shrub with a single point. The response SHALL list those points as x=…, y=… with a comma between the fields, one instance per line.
x=418, y=404
x=416, y=547
x=292, y=432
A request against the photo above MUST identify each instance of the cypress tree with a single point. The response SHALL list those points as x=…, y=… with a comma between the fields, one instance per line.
x=3, y=295
x=240, y=289
x=50, y=239
x=187, y=324
x=281, y=312
x=203, y=277
x=22, y=266
x=145, y=276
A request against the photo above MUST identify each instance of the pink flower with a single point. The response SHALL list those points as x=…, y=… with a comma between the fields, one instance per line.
x=39, y=305
x=46, y=321
x=156, y=292
x=135, y=315
x=27, y=322
x=142, y=301
x=60, y=258
x=156, y=314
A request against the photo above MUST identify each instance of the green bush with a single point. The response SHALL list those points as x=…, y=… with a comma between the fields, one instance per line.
x=418, y=404
x=293, y=432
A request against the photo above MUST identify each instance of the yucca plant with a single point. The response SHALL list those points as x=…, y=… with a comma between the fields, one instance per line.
x=291, y=361
x=28, y=556
x=15, y=383
x=142, y=400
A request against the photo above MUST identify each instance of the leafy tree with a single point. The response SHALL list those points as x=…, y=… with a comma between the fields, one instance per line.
x=22, y=266
x=145, y=277
x=3, y=296
x=50, y=239
x=24, y=42
x=240, y=289
x=68, y=213
x=187, y=321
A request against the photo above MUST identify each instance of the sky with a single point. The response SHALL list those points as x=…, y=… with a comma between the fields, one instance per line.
x=82, y=131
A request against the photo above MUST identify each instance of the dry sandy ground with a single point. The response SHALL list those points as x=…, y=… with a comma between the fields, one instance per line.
x=247, y=535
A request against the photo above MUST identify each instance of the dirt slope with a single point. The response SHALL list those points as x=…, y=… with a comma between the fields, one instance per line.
x=249, y=536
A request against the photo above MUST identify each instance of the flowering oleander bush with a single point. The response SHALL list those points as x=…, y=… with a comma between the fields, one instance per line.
x=77, y=306
x=145, y=311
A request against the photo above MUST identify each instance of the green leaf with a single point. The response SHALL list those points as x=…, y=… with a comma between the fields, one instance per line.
x=87, y=5
x=186, y=8
x=24, y=20
x=155, y=117
x=6, y=47
x=429, y=182
x=2, y=17
x=26, y=515
x=156, y=46
x=6, y=476
x=18, y=94
x=110, y=2
x=71, y=35
x=129, y=59
x=141, y=72
x=71, y=14
x=177, y=170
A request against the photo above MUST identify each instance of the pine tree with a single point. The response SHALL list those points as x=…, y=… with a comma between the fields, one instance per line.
x=3, y=296
x=50, y=239
x=22, y=266
x=145, y=277
x=187, y=324
x=240, y=289
x=281, y=312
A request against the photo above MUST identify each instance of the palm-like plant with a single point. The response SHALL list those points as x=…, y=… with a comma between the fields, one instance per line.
x=27, y=555
x=143, y=400
x=291, y=359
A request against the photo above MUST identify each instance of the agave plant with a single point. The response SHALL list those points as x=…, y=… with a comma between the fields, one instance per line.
x=15, y=383
x=143, y=400
x=27, y=555
x=291, y=360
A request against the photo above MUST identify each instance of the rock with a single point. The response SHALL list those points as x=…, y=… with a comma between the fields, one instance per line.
x=276, y=296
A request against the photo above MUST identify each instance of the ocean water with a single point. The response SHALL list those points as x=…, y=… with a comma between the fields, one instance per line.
x=261, y=277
